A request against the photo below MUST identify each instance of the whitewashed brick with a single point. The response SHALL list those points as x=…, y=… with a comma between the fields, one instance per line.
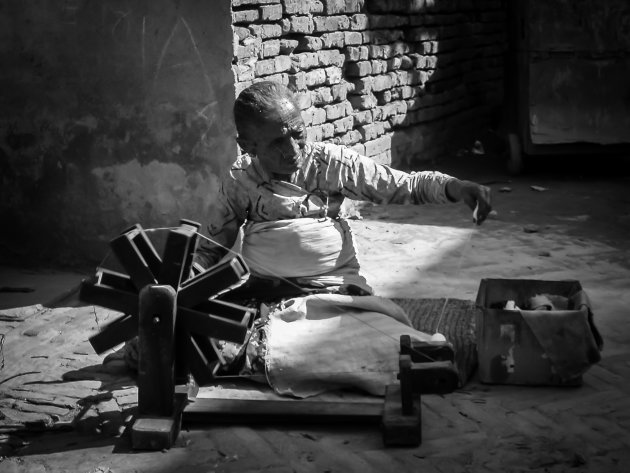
x=356, y=53
x=298, y=24
x=270, y=12
x=328, y=130
x=305, y=61
x=384, y=97
x=339, y=91
x=310, y=43
x=379, y=66
x=266, y=31
x=321, y=96
x=270, y=48
x=314, y=133
x=298, y=81
x=282, y=63
x=316, y=7
x=304, y=100
x=399, y=120
x=381, y=82
x=359, y=22
x=353, y=38
x=239, y=3
x=371, y=131
x=362, y=102
x=324, y=24
x=287, y=46
x=343, y=125
x=333, y=75
x=265, y=67
x=331, y=57
x=359, y=69
x=363, y=85
x=362, y=117
x=333, y=40
x=314, y=115
x=242, y=32
x=394, y=63
x=296, y=7
x=245, y=16
x=315, y=77
x=335, y=111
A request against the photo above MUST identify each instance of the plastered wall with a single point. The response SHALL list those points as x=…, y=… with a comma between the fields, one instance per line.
x=112, y=112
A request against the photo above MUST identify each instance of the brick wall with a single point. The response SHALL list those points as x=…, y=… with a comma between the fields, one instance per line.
x=401, y=81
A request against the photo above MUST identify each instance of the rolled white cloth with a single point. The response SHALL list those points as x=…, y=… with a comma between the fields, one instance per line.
x=325, y=342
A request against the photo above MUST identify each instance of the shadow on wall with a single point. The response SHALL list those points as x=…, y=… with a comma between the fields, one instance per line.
x=446, y=68
x=116, y=116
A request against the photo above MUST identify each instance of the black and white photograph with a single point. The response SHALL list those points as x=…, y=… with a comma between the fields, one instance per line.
x=314, y=236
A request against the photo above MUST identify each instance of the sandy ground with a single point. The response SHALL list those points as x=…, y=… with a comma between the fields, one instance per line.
x=574, y=224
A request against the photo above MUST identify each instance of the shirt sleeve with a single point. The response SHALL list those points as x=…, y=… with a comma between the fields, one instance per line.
x=225, y=218
x=361, y=178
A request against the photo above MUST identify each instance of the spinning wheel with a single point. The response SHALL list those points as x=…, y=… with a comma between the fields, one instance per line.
x=175, y=317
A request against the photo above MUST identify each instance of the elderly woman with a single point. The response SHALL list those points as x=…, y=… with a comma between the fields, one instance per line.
x=279, y=207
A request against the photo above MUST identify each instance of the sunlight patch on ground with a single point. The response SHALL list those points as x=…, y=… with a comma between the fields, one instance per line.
x=395, y=257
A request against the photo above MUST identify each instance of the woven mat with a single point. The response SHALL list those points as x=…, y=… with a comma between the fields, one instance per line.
x=453, y=318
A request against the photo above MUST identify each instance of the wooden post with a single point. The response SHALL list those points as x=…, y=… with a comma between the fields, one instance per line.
x=406, y=385
x=400, y=428
x=158, y=421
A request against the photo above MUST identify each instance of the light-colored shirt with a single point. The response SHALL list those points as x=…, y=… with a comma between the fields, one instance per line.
x=328, y=174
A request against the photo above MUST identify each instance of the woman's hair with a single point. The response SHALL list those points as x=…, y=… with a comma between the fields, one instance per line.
x=257, y=101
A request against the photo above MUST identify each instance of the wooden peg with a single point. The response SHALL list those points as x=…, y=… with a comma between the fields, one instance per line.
x=177, y=251
x=132, y=260
x=213, y=281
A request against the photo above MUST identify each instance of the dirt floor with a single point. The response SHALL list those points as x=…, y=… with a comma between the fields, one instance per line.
x=559, y=220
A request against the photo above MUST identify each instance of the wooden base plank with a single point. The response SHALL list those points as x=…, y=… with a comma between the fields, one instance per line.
x=249, y=411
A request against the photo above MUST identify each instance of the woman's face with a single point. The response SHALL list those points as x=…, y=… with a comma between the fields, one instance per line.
x=279, y=138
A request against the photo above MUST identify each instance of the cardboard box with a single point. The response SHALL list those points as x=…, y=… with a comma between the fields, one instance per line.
x=534, y=347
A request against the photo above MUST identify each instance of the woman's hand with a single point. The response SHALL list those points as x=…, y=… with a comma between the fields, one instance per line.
x=474, y=195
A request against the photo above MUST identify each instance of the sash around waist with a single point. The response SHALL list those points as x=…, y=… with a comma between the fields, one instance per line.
x=297, y=247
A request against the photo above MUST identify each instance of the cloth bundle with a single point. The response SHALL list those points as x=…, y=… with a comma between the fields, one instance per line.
x=330, y=341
